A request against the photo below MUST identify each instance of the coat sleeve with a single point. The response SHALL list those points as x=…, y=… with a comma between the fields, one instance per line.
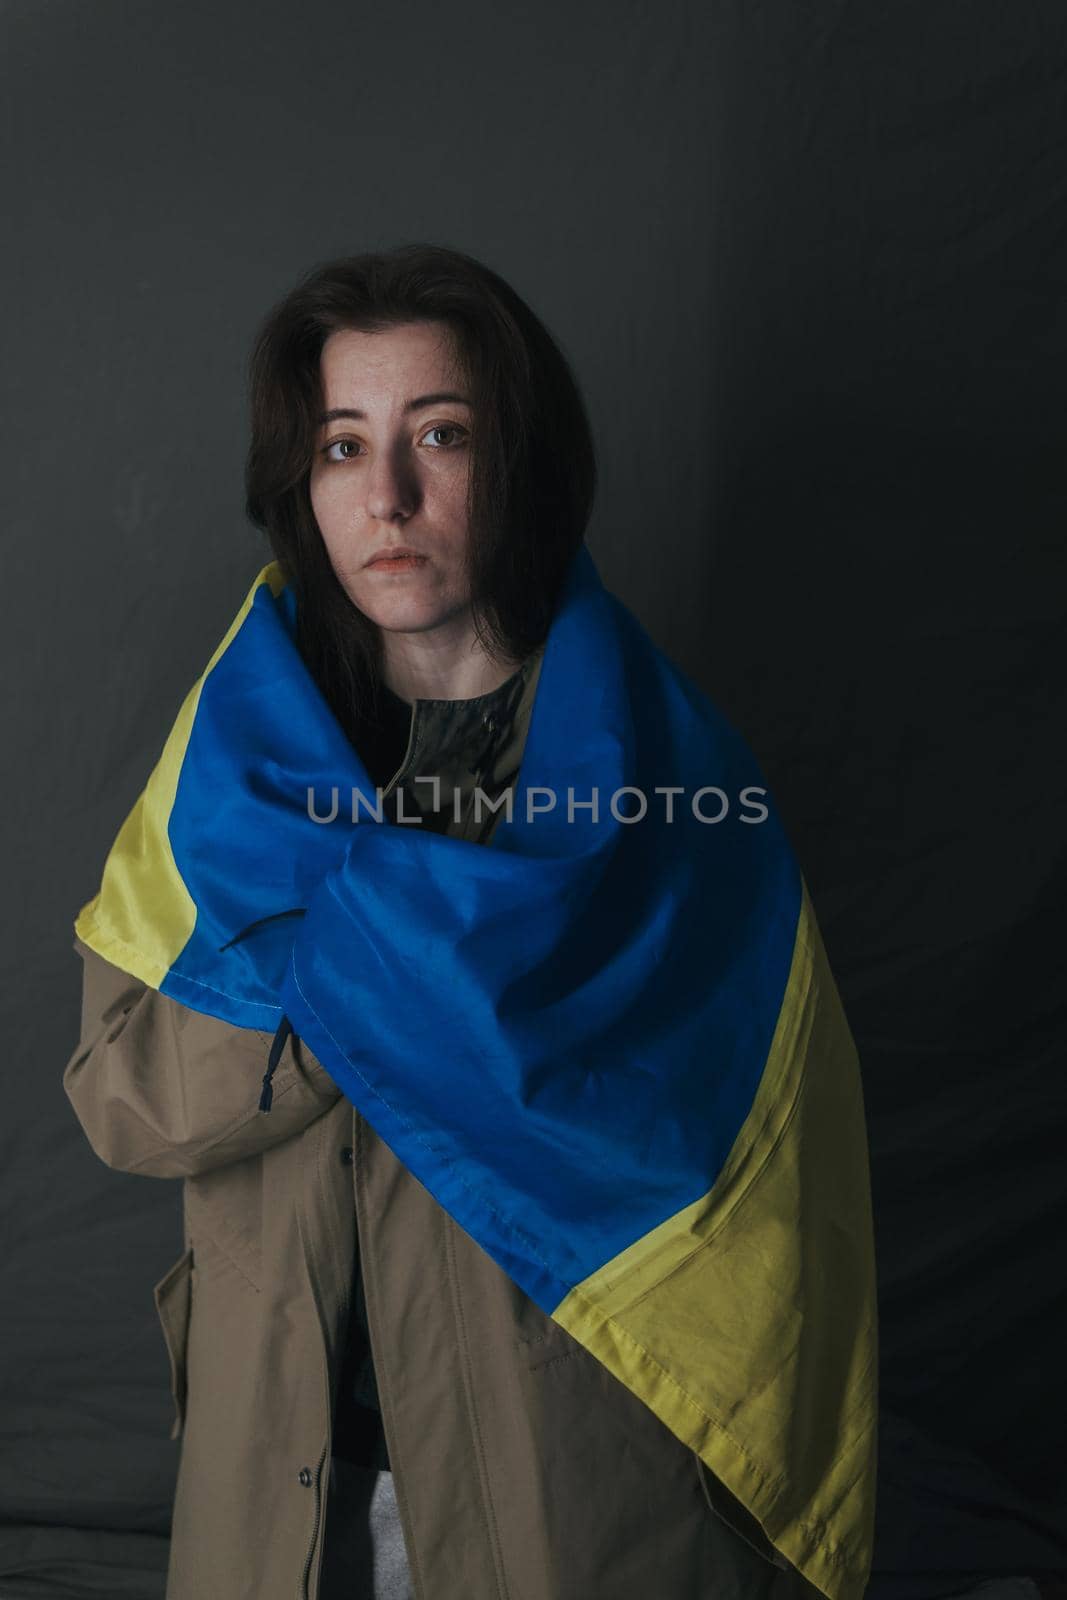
x=166, y=1091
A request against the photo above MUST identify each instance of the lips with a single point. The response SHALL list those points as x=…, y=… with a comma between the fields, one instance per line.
x=402, y=553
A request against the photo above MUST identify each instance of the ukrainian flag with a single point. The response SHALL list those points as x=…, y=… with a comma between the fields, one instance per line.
x=609, y=1044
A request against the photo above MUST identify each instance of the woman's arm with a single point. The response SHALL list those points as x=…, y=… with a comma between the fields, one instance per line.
x=166, y=1091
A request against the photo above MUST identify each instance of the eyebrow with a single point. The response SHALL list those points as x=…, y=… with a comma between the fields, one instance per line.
x=417, y=404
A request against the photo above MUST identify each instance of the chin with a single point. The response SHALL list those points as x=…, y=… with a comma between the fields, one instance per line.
x=404, y=614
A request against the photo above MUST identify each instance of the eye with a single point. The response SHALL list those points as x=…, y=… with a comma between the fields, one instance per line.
x=446, y=427
x=342, y=445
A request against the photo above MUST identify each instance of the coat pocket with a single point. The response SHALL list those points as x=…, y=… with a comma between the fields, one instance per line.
x=538, y=1340
x=173, y=1295
x=225, y=1207
x=547, y=1346
x=737, y=1517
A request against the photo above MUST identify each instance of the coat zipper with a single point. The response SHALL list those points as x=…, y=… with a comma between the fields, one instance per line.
x=370, y=1302
x=303, y=1590
x=327, y=1443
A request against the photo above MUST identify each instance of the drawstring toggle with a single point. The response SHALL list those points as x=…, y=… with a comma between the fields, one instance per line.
x=285, y=1028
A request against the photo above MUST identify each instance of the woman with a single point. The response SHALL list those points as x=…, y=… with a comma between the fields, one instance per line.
x=389, y=1371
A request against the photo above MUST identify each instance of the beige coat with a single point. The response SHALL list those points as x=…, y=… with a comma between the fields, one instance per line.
x=523, y=1469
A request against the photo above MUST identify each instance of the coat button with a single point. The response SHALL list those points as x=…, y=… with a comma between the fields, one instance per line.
x=305, y=1477
x=348, y=1155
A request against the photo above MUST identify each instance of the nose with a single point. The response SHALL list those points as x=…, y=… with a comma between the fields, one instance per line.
x=392, y=489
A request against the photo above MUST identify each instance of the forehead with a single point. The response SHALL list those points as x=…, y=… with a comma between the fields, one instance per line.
x=362, y=369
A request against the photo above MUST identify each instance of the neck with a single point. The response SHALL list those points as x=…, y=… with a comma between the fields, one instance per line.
x=441, y=665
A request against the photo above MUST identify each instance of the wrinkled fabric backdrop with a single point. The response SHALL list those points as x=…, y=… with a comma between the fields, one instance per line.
x=809, y=265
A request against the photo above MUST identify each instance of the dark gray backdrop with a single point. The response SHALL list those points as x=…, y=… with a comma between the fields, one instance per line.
x=808, y=262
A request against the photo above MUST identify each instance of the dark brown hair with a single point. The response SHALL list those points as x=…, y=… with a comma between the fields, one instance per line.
x=533, y=465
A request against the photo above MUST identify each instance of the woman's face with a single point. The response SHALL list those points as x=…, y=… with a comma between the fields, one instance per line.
x=390, y=472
